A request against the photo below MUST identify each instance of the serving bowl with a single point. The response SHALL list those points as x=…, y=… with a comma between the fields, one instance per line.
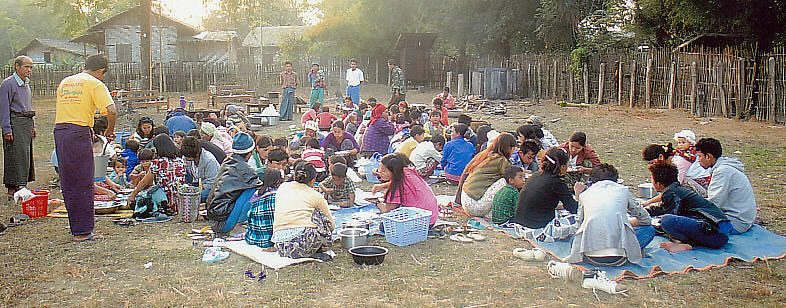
x=369, y=255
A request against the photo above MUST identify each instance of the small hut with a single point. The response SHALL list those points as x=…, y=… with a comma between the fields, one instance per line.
x=414, y=54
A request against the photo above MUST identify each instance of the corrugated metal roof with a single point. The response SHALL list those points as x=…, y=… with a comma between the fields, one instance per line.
x=271, y=36
x=218, y=36
x=75, y=48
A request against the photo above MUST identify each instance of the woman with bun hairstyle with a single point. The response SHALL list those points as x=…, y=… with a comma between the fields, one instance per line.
x=539, y=215
x=302, y=223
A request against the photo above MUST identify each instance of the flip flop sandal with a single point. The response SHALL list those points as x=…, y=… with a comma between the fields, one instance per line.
x=92, y=237
x=125, y=222
x=524, y=254
x=458, y=229
x=476, y=236
x=460, y=238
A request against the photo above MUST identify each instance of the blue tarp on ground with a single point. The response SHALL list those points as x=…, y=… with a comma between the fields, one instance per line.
x=755, y=245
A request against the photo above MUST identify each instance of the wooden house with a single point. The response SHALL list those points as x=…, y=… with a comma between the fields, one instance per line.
x=215, y=47
x=119, y=37
x=54, y=51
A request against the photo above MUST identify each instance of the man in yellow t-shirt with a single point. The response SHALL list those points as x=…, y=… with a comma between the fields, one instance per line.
x=416, y=135
x=78, y=98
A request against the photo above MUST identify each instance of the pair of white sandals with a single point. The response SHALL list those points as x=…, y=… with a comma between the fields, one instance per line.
x=535, y=254
x=468, y=238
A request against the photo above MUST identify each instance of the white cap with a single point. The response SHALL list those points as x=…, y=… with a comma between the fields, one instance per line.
x=687, y=134
x=492, y=135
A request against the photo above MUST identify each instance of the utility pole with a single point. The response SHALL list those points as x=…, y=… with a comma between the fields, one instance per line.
x=145, y=20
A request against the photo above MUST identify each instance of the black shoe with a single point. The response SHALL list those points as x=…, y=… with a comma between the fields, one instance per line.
x=322, y=256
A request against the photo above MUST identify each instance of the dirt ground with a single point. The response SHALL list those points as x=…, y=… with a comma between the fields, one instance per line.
x=42, y=267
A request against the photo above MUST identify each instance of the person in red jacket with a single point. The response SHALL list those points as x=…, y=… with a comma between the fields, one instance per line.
x=582, y=158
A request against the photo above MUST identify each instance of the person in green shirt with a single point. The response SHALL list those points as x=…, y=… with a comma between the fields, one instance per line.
x=396, y=82
x=507, y=198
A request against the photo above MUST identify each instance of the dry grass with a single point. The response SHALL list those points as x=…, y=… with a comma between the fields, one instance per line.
x=43, y=268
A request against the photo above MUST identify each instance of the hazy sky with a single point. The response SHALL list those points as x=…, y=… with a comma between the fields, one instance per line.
x=192, y=11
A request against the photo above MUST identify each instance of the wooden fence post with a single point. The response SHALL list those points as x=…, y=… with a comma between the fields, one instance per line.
x=620, y=77
x=449, y=79
x=633, y=83
x=772, y=103
x=540, y=80
x=601, y=78
x=672, y=84
x=586, y=83
x=571, y=85
x=460, y=85
x=648, y=84
x=554, y=81
x=740, y=89
x=721, y=92
x=694, y=80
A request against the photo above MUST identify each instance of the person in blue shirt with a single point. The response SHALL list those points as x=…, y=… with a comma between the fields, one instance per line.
x=180, y=122
x=457, y=153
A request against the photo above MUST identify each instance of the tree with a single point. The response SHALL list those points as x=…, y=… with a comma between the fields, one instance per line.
x=671, y=22
x=242, y=15
x=76, y=16
x=464, y=27
x=559, y=21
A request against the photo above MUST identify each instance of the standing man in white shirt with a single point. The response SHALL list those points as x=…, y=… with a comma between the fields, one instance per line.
x=354, y=79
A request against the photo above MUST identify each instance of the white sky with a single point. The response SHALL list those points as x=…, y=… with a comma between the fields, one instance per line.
x=192, y=11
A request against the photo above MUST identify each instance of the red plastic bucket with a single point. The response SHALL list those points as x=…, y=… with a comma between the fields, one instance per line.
x=38, y=206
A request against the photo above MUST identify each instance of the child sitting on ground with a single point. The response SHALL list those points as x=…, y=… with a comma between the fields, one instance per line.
x=260, y=217
x=118, y=175
x=132, y=159
x=337, y=189
x=103, y=148
x=688, y=219
x=145, y=159
x=427, y=155
x=507, y=198
x=325, y=119
x=178, y=136
x=434, y=127
x=311, y=113
x=416, y=136
x=443, y=112
x=316, y=156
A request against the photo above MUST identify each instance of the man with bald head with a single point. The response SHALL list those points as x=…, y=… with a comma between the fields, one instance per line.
x=16, y=120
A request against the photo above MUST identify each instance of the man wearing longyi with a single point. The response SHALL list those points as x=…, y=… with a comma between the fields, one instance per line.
x=16, y=120
x=78, y=98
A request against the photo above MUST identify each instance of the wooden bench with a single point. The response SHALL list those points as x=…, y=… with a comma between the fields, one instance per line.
x=239, y=99
x=142, y=98
x=236, y=92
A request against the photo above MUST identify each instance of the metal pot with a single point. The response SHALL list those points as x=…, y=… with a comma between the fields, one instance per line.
x=646, y=190
x=353, y=237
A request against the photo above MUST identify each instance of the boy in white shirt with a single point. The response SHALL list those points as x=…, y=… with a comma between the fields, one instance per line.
x=426, y=156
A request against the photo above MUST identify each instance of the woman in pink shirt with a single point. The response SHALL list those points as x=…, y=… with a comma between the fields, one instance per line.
x=404, y=187
x=447, y=98
x=311, y=114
